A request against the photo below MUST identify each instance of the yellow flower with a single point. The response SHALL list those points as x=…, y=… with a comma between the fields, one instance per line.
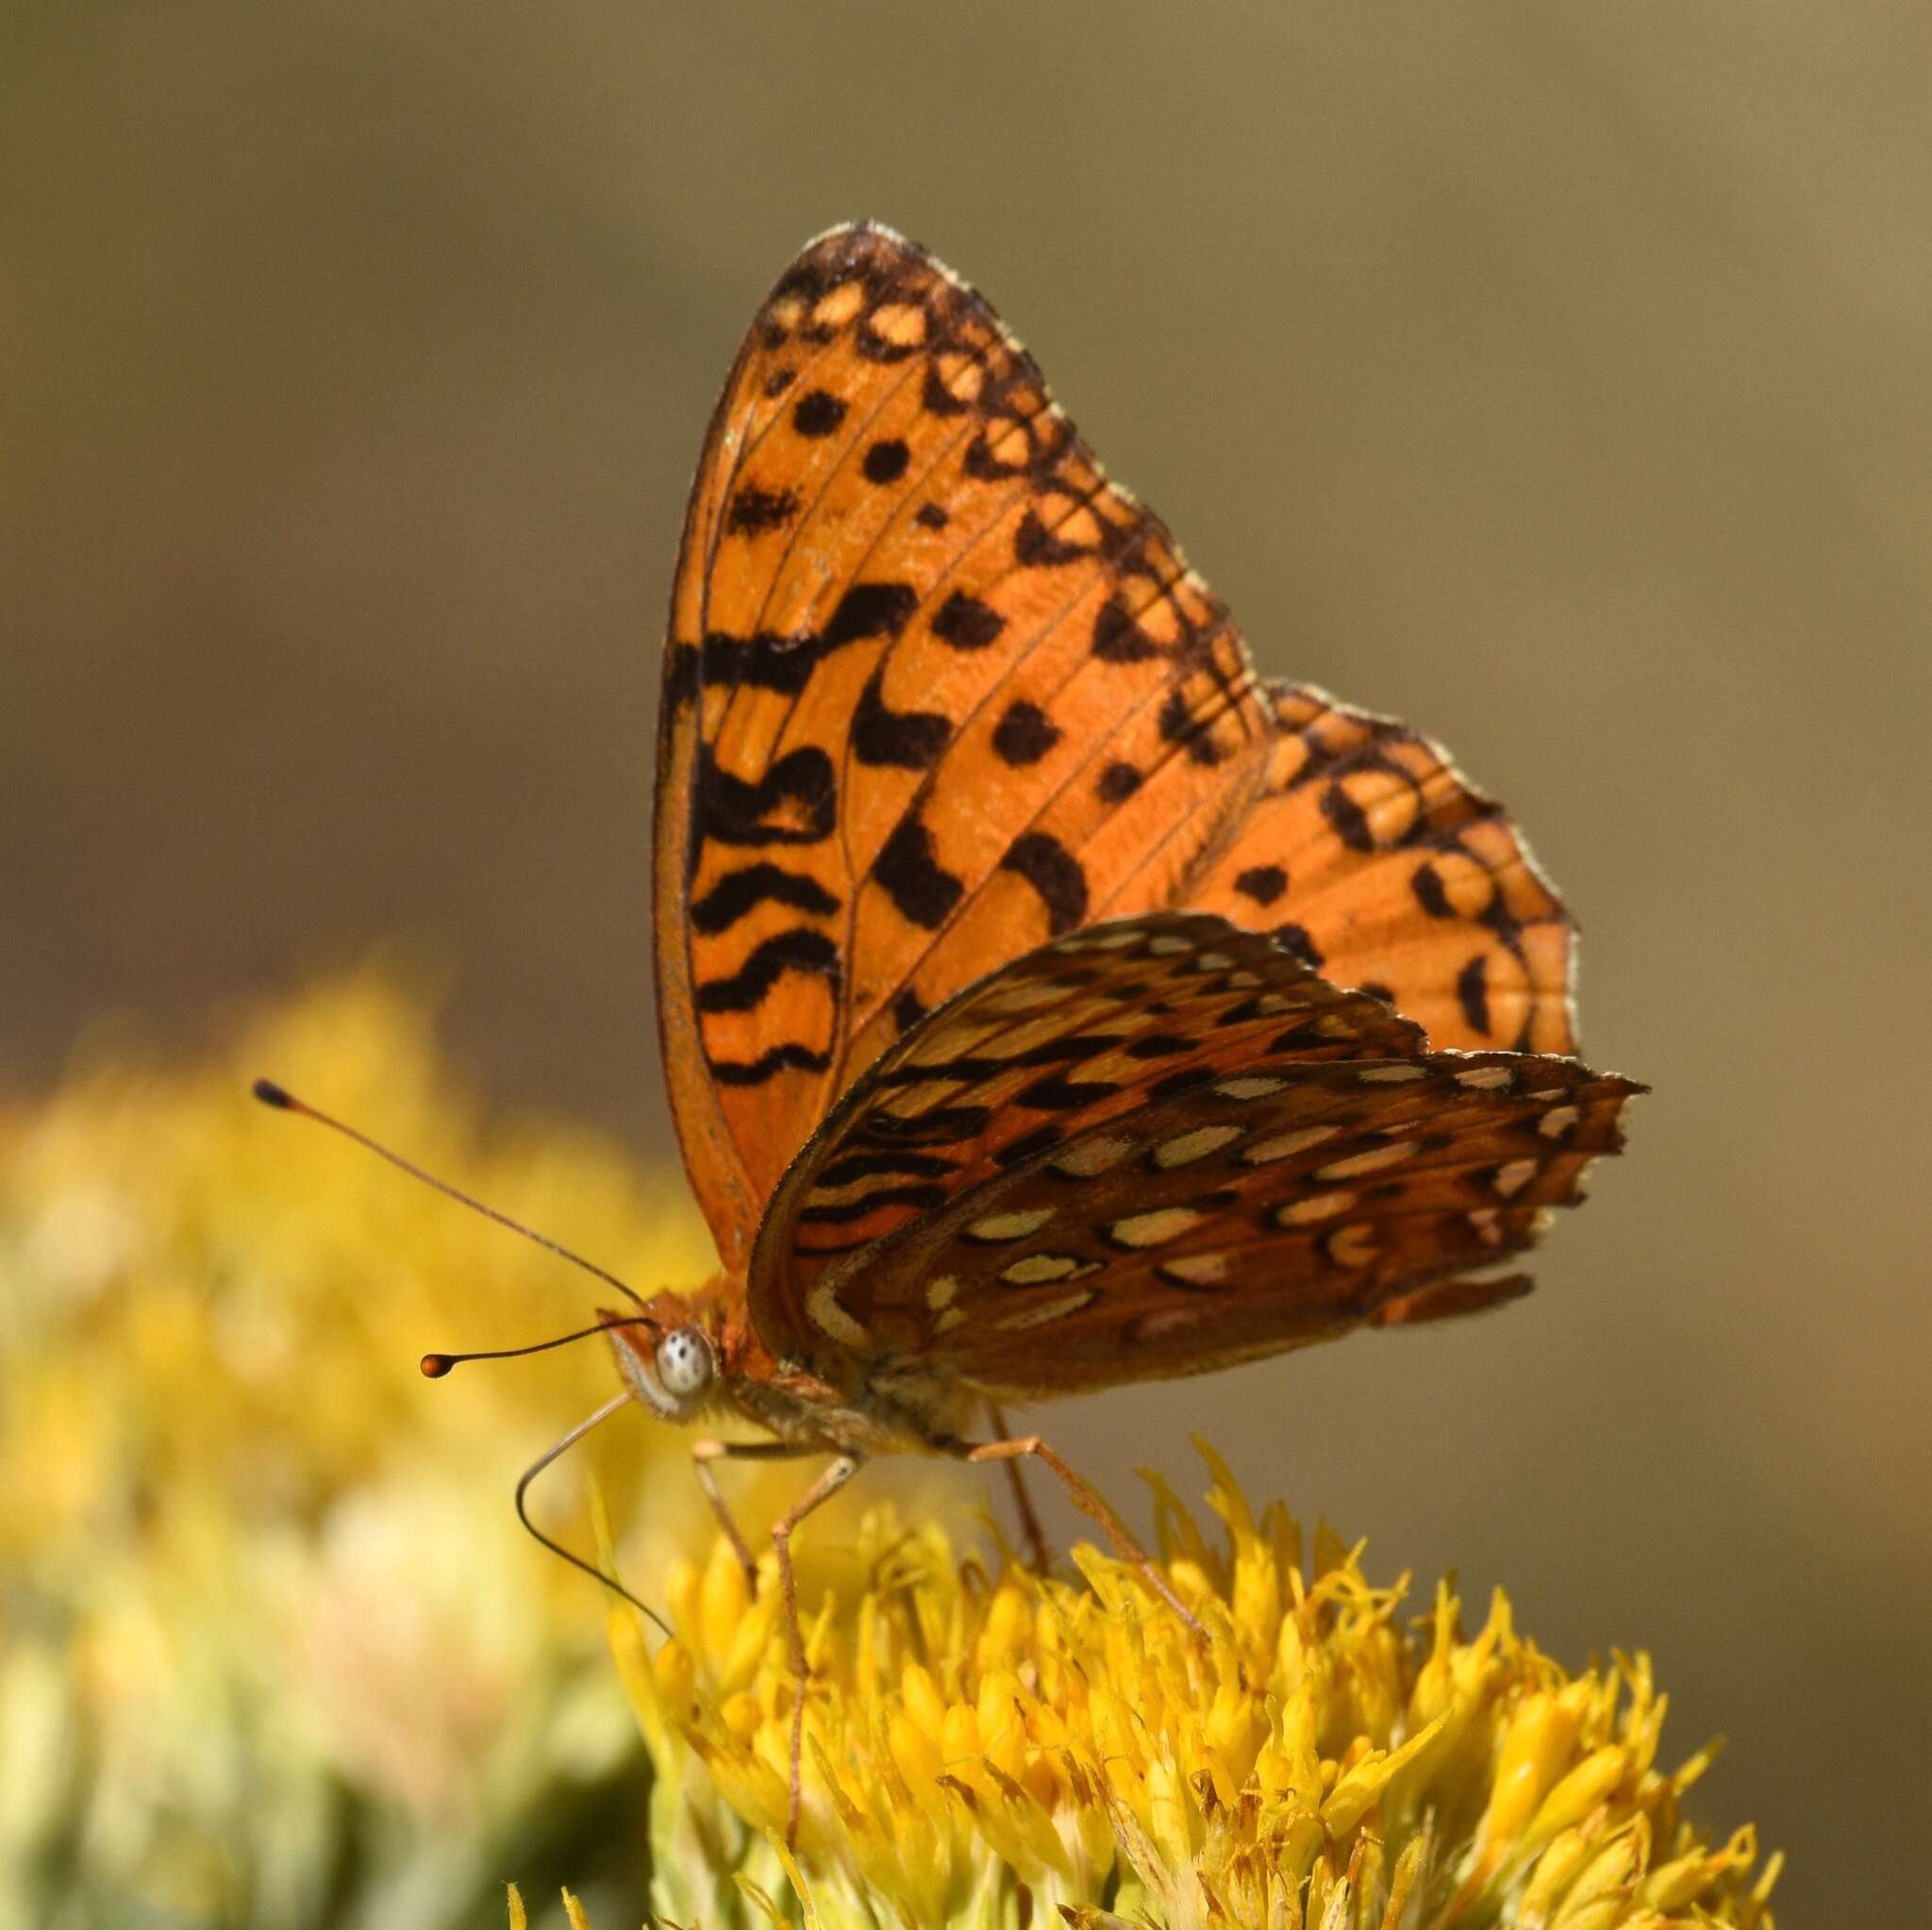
x=270, y=1640
x=988, y=1751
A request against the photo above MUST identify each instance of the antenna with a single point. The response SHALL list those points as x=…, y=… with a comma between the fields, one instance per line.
x=436, y=1365
x=284, y=1100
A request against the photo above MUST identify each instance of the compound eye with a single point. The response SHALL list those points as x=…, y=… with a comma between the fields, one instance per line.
x=684, y=1362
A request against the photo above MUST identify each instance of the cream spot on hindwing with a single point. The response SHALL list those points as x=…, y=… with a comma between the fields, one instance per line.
x=1486, y=1078
x=1372, y=1161
x=1390, y=1076
x=1285, y=1145
x=1187, y=1147
x=941, y=1293
x=1090, y=1158
x=1512, y=1178
x=1052, y=1311
x=1011, y=1225
x=1558, y=1120
x=1038, y=1268
x=1316, y=1207
x=1150, y=1229
x=1351, y=1246
x=1250, y=1086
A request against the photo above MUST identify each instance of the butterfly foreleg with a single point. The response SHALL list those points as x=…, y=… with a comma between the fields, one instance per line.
x=821, y=1491
x=703, y=1453
x=1088, y=1500
x=1040, y=1555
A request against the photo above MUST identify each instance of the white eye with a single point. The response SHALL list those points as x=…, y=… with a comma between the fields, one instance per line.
x=684, y=1362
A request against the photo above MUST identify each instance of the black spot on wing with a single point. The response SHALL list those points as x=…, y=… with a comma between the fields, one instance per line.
x=1035, y=546
x=752, y=885
x=755, y=510
x=1117, y=639
x=1046, y=864
x=808, y=952
x=902, y=740
x=931, y=516
x=817, y=413
x=1294, y=940
x=965, y=623
x=1025, y=734
x=886, y=460
x=909, y=1009
x=923, y=890
x=1350, y=820
x=871, y=610
x=1427, y=887
x=1262, y=883
x=1118, y=783
x=1473, y=993
x=1180, y=726
x=779, y=381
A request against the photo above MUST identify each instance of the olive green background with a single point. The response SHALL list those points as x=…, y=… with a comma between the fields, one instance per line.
x=1555, y=377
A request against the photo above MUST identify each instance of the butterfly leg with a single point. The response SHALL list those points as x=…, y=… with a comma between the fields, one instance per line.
x=821, y=1491
x=1040, y=1556
x=1088, y=1500
x=703, y=1453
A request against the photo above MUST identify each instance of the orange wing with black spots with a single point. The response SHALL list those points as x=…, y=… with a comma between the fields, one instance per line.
x=1155, y=1148
x=935, y=691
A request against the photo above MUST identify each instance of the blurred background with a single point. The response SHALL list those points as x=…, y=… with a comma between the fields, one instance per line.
x=1556, y=378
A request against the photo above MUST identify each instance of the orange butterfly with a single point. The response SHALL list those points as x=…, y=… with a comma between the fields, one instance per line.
x=1003, y=916
x=1046, y=1002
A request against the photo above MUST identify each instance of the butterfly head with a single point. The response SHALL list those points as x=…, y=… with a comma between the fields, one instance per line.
x=669, y=1356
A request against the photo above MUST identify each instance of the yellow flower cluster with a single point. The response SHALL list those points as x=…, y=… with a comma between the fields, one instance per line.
x=991, y=1752
x=273, y=1648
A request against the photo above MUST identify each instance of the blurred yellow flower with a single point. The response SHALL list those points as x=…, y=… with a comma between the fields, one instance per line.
x=998, y=1751
x=273, y=1648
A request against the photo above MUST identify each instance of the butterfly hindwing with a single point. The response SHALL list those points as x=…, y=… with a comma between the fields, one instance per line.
x=1159, y=1147
x=936, y=692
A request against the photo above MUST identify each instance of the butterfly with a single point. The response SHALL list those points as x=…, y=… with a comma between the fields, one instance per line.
x=1047, y=1003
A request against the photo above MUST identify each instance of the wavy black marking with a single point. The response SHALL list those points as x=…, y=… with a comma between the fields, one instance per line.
x=924, y=1197
x=754, y=510
x=810, y=952
x=923, y=890
x=791, y=1056
x=1047, y=865
x=941, y=1123
x=1036, y=546
x=1058, y=1094
x=1028, y=1147
x=752, y=885
x=855, y=1166
x=909, y=1009
x=796, y=802
x=871, y=610
x=901, y=739
x=1178, y=1085
x=1194, y=734
x=1157, y=1045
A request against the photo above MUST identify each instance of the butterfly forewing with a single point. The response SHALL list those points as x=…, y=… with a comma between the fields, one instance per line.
x=936, y=692
x=1153, y=1148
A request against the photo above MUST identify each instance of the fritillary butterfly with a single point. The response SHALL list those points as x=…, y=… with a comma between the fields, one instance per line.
x=1047, y=1003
